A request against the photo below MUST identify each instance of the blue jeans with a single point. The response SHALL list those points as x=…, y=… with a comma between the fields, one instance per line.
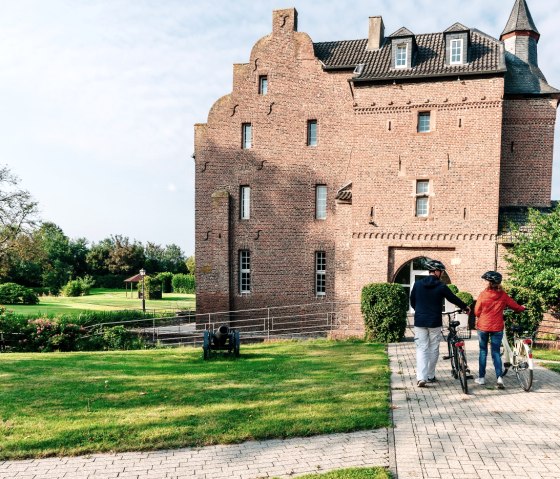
x=495, y=343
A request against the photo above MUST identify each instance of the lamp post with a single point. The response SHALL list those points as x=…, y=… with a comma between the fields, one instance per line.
x=143, y=273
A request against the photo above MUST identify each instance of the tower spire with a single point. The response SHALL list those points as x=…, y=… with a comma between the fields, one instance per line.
x=520, y=22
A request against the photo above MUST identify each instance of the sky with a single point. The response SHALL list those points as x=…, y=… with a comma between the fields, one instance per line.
x=98, y=98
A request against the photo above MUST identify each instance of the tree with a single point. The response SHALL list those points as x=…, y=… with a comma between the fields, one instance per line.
x=174, y=259
x=125, y=257
x=191, y=264
x=57, y=261
x=535, y=257
x=154, y=258
x=17, y=209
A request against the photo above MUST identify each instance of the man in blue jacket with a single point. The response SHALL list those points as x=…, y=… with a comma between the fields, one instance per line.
x=426, y=299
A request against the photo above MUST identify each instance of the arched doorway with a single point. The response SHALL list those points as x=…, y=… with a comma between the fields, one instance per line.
x=414, y=270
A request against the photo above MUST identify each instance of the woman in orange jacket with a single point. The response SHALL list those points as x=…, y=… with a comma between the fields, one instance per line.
x=489, y=311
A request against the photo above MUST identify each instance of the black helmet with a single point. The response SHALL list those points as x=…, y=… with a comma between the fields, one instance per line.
x=434, y=265
x=492, y=276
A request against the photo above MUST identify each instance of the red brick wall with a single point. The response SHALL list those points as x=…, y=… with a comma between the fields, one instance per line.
x=460, y=157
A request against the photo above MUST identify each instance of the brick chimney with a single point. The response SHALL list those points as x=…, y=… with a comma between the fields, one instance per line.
x=284, y=20
x=376, y=33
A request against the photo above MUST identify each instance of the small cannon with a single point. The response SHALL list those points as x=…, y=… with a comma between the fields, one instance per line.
x=221, y=339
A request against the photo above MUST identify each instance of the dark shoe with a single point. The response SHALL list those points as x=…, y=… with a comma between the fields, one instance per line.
x=433, y=380
x=421, y=383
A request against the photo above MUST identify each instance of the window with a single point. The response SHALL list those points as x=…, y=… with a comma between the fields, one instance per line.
x=312, y=133
x=245, y=202
x=422, y=203
x=321, y=202
x=320, y=273
x=423, y=122
x=263, y=84
x=247, y=135
x=400, y=58
x=456, y=51
x=244, y=271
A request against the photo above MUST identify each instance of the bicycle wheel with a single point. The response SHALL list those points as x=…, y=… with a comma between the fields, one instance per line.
x=452, y=358
x=523, y=366
x=462, y=371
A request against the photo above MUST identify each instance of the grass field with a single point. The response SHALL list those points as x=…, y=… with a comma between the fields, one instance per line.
x=77, y=403
x=549, y=355
x=361, y=473
x=103, y=300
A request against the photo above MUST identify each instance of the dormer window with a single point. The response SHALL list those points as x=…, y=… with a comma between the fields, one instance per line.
x=456, y=51
x=401, y=55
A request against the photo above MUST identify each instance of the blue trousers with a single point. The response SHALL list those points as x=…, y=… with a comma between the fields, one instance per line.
x=495, y=343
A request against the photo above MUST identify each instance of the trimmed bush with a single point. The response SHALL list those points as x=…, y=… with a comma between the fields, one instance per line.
x=152, y=287
x=78, y=287
x=384, y=307
x=184, y=283
x=12, y=293
x=453, y=288
x=467, y=298
x=166, y=281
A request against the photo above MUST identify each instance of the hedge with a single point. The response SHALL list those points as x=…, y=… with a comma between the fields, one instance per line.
x=384, y=308
x=184, y=283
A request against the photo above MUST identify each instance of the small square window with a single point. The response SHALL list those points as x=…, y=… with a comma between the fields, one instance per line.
x=422, y=187
x=245, y=202
x=456, y=51
x=321, y=202
x=263, y=84
x=320, y=273
x=424, y=122
x=401, y=56
x=247, y=135
x=312, y=133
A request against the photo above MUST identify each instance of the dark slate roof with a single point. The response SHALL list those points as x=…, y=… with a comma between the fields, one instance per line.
x=485, y=57
x=519, y=217
x=520, y=19
x=523, y=78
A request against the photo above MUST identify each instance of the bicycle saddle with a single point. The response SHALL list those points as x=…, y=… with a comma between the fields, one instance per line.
x=454, y=324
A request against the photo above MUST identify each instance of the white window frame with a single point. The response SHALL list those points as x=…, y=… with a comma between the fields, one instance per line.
x=422, y=199
x=456, y=51
x=263, y=84
x=245, y=202
x=321, y=202
x=400, y=59
x=312, y=138
x=421, y=126
x=244, y=271
x=247, y=136
x=320, y=273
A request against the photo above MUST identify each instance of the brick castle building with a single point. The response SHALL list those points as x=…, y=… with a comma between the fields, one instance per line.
x=336, y=164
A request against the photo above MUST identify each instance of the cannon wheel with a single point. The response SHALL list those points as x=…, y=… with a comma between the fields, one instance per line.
x=236, y=343
x=206, y=345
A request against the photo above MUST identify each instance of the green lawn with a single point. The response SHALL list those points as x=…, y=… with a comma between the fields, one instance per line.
x=104, y=300
x=363, y=473
x=77, y=403
x=549, y=355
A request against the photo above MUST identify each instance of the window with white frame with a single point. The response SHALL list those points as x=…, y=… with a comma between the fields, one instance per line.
x=263, y=84
x=401, y=55
x=422, y=197
x=312, y=133
x=424, y=122
x=245, y=202
x=321, y=202
x=247, y=133
x=244, y=271
x=456, y=51
x=320, y=273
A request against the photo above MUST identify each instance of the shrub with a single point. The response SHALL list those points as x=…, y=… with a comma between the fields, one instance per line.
x=166, y=281
x=453, y=288
x=12, y=293
x=467, y=298
x=384, y=307
x=78, y=287
x=184, y=283
x=152, y=287
x=118, y=337
x=528, y=320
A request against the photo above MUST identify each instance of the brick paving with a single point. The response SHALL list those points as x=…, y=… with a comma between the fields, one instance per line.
x=439, y=433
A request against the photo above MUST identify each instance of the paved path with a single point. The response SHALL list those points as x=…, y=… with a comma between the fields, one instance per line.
x=439, y=433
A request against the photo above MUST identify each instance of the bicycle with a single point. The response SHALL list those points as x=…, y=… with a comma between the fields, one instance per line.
x=456, y=353
x=519, y=358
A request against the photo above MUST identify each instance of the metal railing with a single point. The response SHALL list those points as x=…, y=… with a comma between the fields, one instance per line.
x=310, y=320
